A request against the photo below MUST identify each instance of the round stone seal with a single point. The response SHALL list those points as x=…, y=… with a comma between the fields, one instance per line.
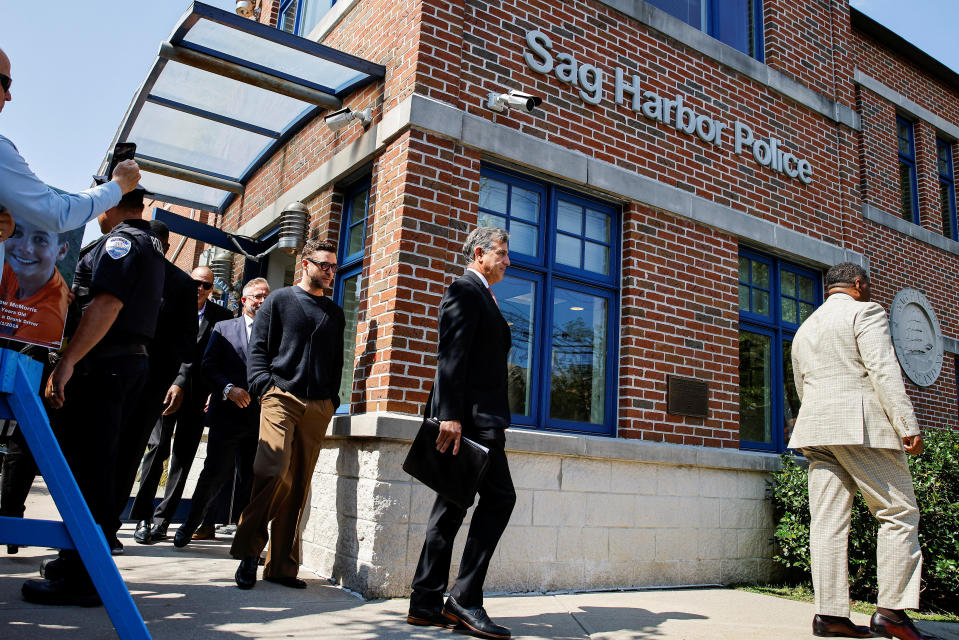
x=915, y=335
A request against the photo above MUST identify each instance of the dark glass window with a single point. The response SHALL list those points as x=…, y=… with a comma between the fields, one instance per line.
x=775, y=297
x=738, y=23
x=560, y=300
x=908, y=189
x=947, y=188
x=349, y=280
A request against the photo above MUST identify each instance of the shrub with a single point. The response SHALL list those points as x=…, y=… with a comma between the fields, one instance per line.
x=936, y=478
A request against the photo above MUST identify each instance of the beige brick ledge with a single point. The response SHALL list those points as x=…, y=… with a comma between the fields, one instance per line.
x=395, y=426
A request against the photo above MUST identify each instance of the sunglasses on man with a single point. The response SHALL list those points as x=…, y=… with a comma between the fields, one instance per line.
x=5, y=82
x=325, y=266
x=206, y=285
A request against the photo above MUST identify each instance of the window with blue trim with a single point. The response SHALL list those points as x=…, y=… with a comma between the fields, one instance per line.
x=356, y=209
x=908, y=185
x=775, y=297
x=947, y=189
x=738, y=23
x=560, y=299
x=300, y=16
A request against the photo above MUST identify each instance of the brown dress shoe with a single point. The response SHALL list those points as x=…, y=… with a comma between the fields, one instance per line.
x=903, y=629
x=205, y=532
x=835, y=627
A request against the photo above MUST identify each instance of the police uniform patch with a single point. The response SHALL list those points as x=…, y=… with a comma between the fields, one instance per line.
x=117, y=247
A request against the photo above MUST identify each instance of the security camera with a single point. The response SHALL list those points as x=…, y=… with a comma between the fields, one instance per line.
x=500, y=101
x=339, y=119
x=246, y=8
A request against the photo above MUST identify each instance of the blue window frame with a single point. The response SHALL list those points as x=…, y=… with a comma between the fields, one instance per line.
x=775, y=297
x=947, y=189
x=560, y=298
x=349, y=279
x=300, y=16
x=738, y=23
x=908, y=185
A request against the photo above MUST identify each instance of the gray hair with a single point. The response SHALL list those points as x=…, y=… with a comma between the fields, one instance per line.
x=248, y=287
x=484, y=238
x=845, y=273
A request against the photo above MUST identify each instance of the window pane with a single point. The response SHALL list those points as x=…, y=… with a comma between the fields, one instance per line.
x=789, y=310
x=744, y=271
x=288, y=19
x=311, y=11
x=358, y=207
x=689, y=11
x=569, y=218
x=351, y=307
x=492, y=195
x=568, y=250
x=578, y=357
x=805, y=310
x=522, y=238
x=945, y=207
x=761, y=302
x=788, y=283
x=743, y=298
x=905, y=191
x=790, y=396
x=517, y=300
x=807, y=288
x=943, y=157
x=760, y=274
x=355, y=244
x=755, y=387
x=596, y=258
x=732, y=20
x=905, y=135
x=524, y=204
x=489, y=220
x=597, y=225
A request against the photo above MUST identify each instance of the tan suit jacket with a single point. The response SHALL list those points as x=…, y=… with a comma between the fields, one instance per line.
x=848, y=379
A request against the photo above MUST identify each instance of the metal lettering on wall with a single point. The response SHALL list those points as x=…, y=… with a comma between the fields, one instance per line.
x=768, y=152
x=915, y=335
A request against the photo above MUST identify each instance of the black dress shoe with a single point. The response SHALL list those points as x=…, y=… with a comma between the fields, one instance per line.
x=183, y=535
x=13, y=548
x=836, y=627
x=159, y=532
x=52, y=568
x=287, y=581
x=116, y=547
x=903, y=629
x=246, y=573
x=142, y=533
x=428, y=618
x=475, y=620
x=60, y=593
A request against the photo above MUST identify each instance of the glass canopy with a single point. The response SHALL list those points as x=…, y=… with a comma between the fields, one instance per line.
x=223, y=95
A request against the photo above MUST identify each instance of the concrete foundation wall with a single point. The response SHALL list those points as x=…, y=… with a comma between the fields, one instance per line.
x=591, y=513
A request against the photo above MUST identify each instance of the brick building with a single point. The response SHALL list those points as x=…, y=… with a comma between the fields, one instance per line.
x=673, y=204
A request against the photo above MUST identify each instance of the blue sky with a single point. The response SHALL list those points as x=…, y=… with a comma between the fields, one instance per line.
x=77, y=65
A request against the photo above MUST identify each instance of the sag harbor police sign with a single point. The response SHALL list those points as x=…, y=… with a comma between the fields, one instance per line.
x=769, y=152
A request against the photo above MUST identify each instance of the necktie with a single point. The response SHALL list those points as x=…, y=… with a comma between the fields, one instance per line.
x=490, y=289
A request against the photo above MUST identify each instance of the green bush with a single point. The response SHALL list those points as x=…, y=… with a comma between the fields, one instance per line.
x=936, y=476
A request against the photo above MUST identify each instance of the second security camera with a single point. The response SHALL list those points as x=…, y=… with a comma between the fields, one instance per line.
x=525, y=101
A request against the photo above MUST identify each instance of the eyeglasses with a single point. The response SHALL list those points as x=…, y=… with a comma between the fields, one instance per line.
x=325, y=266
x=206, y=285
x=5, y=82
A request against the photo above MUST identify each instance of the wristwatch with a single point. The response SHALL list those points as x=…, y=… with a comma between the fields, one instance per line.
x=226, y=390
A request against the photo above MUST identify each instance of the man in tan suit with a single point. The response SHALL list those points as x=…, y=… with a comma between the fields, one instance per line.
x=853, y=426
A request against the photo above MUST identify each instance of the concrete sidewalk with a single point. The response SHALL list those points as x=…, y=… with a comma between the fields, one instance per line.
x=189, y=593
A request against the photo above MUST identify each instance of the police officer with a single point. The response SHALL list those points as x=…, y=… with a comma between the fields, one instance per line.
x=97, y=382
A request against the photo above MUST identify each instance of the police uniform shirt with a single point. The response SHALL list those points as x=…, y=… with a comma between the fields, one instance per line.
x=127, y=263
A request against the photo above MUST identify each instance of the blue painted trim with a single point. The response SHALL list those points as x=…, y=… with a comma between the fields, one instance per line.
x=511, y=179
x=205, y=233
x=910, y=161
x=215, y=117
x=947, y=181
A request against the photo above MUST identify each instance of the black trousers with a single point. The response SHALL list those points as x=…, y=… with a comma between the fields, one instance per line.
x=187, y=423
x=496, y=500
x=133, y=439
x=230, y=449
x=19, y=472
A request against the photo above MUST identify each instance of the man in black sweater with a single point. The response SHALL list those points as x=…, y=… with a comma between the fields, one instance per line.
x=294, y=367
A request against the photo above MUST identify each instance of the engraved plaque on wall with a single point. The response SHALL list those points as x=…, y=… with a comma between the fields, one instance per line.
x=687, y=397
x=916, y=336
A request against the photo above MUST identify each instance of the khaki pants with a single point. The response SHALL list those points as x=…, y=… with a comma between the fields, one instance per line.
x=882, y=475
x=291, y=435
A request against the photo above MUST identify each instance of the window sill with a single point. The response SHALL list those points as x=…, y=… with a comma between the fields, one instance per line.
x=877, y=215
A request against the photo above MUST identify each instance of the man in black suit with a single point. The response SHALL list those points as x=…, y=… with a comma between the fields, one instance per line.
x=233, y=416
x=172, y=345
x=188, y=423
x=470, y=399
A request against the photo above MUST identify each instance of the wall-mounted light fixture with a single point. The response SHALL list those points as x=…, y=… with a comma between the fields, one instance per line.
x=339, y=119
x=248, y=9
x=525, y=101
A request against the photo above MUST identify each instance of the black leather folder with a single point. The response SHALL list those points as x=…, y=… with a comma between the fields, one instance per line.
x=456, y=478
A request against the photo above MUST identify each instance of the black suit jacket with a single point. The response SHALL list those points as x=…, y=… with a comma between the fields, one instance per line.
x=173, y=343
x=471, y=374
x=188, y=378
x=224, y=362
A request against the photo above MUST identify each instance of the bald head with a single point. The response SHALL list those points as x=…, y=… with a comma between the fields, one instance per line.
x=5, y=95
x=203, y=277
